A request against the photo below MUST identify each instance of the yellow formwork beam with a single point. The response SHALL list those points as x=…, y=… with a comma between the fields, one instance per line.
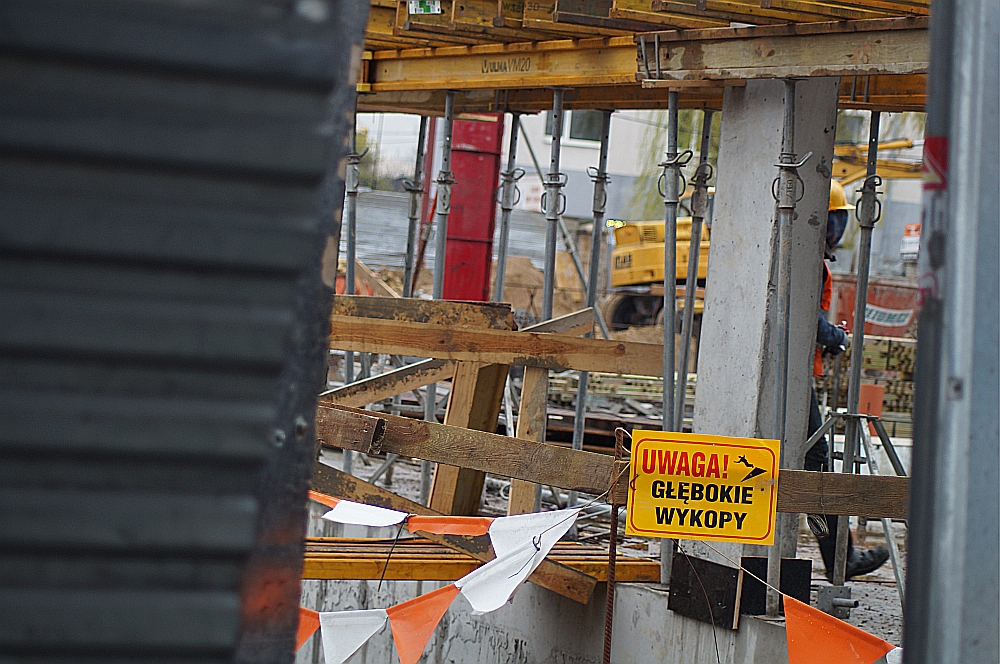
x=844, y=48
x=566, y=62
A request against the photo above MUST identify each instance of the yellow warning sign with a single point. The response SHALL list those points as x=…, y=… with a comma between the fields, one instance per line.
x=700, y=487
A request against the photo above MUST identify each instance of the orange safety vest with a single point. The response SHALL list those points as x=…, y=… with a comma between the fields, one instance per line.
x=825, y=301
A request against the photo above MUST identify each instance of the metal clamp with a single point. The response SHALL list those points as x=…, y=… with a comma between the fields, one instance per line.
x=869, y=208
x=411, y=188
x=677, y=162
x=600, y=181
x=511, y=177
x=555, y=181
x=794, y=168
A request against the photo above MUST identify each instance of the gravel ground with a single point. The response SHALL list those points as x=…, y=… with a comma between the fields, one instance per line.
x=878, y=613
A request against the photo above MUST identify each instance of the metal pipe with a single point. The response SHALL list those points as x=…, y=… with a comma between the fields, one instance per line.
x=787, y=195
x=416, y=191
x=699, y=205
x=351, y=182
x=890, y=540
x=508, y=198
x=552, y=202
x=670, y=200
x=444, y=181
x=867, y=212
x=600, y=178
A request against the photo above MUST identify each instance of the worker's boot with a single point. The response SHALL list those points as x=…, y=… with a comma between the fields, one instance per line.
x=859, y=564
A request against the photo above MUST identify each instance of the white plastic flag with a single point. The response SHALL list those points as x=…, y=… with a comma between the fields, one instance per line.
x=509, y=532
x=521, y=543
x=345, y=631
x=364, y=515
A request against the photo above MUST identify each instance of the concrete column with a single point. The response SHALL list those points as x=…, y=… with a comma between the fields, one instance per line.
x=736, y=381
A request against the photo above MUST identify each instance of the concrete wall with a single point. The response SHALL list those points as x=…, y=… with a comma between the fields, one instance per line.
x=540, y=627
x=736, y=381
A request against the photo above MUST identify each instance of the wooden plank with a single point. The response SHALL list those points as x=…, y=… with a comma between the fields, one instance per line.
x=799, y=491
x=474, y=403
x=491, y=315
x=553, y=351
x=531, y=425
x=887, y=51
x=369, y=278
x=416, y=375
x=389, y=384
x=434, y=567
x=355, y=430
x=553, y=576
x=478, y=450
x=875, y=496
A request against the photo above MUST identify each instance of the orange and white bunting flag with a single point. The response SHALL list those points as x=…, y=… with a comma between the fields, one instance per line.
x=414, y=621
x=346, y=511
x=450, y=525
x=815, y=637
x=308, y=624
x=521, y=543
x=323, y=499
x=346, y=631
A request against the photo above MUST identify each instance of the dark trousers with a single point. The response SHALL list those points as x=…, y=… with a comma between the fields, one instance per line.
x=816, y=459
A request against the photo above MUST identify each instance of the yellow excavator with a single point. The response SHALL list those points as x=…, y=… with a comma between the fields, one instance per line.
x=636, y=296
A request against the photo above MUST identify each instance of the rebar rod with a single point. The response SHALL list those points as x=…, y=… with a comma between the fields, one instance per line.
x=699, y=205
x=867, y=212
x=609, y=607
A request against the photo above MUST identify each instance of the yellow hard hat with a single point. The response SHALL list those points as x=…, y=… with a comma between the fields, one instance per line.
x=838, y=199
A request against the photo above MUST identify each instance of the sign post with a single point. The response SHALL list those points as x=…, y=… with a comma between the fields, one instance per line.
x=702, y=487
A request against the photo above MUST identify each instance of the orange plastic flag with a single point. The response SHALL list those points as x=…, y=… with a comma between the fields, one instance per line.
x=414, y=621
x=308, y=624
x=450, y=525
x=323, y=499
x=815, y=637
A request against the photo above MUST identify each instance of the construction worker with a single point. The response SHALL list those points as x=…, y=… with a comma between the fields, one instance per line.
x=832, y=340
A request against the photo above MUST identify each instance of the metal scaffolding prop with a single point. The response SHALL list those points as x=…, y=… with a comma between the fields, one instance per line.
x=699, y=206
x=444, y=181
x=787, y=192
x=868, y=212
x=553, y=202
x=600, y=177
x=352, y=182
x=415, y=188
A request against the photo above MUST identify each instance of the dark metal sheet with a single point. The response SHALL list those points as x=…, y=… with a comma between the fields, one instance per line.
x=167, y=192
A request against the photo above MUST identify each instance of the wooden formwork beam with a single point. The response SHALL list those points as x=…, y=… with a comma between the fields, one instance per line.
x=425, y=372
x=553, y=351
x=798, y=491
x=842, y=48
